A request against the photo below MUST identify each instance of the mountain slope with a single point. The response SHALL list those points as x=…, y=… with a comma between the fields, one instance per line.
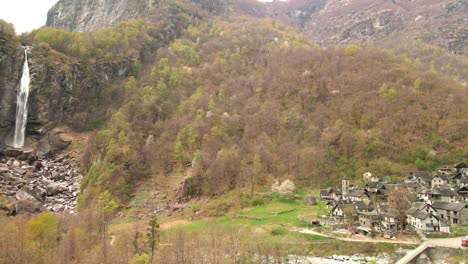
x=326, y=22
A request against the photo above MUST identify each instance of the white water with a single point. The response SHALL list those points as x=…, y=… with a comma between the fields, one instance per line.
x=22, y=105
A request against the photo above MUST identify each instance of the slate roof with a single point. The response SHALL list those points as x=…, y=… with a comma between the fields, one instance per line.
x=336, y=191
x=420, y=214
x=361, y=206
x=323, y=193
x=371, y=213
x=460, y=165
x=447, y=191
x=356, y=192
x=387, y=211
x=442, y=176
x=464, y=179
x=448, y=206
x=422, y=175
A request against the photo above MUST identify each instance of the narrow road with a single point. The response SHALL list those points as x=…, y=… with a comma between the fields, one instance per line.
x=370, y=240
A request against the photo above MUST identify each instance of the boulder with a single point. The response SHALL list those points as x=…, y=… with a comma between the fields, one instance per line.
x=57, y=176
x=12, y=152
x=25, y=155
x=37, y=192
x=25, y=206
x=310, y=200
x=54, y=188
x=19, y=170
x=22, y=195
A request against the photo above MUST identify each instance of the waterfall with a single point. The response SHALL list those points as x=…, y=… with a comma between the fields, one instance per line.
x=22, y=105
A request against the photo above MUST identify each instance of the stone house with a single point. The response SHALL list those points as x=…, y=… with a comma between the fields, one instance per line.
x=369, y=220
x=448, y=194
x=324, y=195
x=336, y=194
x=421, y=177
x=358, y=194
x=441, y=179
x=453, y=213
x=427, y=222
x=463, y=194
x=389, y=219
x=458, y=167
x=343, y=210
x=444, y=170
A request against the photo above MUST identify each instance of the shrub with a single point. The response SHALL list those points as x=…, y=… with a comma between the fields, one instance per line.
x=257, y=201
x=140, y=259
x=279, y=230
x=195, y=208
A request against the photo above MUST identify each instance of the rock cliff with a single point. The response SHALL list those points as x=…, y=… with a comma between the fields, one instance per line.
x=327, y=22
x=85, y=16
x=10, y=75
x=61, y=91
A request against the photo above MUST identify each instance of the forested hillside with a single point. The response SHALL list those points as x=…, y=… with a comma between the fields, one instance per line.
x=240, y=102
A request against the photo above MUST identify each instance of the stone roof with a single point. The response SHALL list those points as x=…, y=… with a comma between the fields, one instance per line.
x=464, y=179
x=336, y=191
x=447, y=191
x=361, y=205
x=358, y=192
x=448, y=206
x=420, y=214
x=442, y=176
x=371, y=213
x=424, y=175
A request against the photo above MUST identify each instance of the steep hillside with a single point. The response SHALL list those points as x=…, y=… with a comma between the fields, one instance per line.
x=241, y=102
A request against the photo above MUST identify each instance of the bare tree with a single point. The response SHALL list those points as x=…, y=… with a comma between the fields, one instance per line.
x=400, y=200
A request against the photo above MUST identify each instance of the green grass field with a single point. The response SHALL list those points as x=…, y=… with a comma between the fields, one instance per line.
x=268, y=214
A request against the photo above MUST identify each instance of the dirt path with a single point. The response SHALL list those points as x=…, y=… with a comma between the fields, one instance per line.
x=369, y=240
x=112, y=240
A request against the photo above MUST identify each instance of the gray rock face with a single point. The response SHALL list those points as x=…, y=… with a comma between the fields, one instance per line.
x=91, y=15
x=10, y=76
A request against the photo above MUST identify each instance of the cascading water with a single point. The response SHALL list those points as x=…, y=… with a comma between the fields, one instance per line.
x=22, y=105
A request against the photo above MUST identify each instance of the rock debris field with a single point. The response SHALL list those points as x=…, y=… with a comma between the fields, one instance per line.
x=30, y=183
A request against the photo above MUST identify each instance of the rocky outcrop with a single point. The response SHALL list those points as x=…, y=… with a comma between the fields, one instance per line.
x=33, y=183
x=91, y=15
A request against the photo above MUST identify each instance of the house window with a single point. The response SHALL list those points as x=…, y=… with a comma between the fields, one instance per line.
x=454, y=213
x=455, y=221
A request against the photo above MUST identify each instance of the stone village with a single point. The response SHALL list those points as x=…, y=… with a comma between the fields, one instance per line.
x=422, y=203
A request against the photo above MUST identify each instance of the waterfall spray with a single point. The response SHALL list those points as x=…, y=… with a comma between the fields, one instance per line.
x=22, y=105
